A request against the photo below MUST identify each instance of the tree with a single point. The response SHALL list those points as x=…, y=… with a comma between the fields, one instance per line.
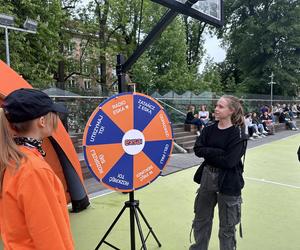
x=264, y=37
x=194, y=40
x=40, y=50
x=211, y=77
x=110, y=28
x=165, y=61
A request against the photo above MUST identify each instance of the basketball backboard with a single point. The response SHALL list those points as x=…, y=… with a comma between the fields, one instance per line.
x=210, y=11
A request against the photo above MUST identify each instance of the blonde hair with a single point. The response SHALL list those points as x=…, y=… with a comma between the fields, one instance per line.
x=235, y=104
x=10, y=154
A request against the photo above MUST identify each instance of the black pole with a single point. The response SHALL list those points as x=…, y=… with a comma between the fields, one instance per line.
x=123, y=67
x=154, y=33
x=132, y=227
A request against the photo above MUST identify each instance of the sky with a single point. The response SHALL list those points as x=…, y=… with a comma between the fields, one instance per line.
x=213, y=50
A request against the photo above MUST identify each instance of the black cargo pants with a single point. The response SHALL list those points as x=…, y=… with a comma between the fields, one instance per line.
x=229, y=216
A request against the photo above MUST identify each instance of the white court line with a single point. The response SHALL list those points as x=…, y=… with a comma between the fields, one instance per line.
x=272, y=182
x=94, y=196
x=99, y=194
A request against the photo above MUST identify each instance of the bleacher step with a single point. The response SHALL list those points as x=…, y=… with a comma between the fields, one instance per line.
x=186, y=138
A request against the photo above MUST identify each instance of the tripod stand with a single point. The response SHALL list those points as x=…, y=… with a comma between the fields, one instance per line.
x=133, y=205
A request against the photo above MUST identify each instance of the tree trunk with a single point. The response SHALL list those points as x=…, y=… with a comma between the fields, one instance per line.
x=102, y=12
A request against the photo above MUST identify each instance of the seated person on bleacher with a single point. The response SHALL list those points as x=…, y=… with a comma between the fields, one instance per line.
x=192, y=118
x=285, y=117
x=203, y=114
x=267, y=122
x=295, y=110
x=250, y=130
x=259, y=125
x=277, y=111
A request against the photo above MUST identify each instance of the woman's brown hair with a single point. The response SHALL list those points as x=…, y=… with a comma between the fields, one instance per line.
x=235, y=104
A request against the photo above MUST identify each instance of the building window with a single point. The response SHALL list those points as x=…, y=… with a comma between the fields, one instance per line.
x=70, y=48
x=115, y=87
x=85, y=69
x=87, y=84
x=72, y=83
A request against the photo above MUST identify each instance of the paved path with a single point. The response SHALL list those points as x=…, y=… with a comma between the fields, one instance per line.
x=180, y=162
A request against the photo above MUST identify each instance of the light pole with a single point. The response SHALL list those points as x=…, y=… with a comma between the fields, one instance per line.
x=271, y=83
x=7, y=22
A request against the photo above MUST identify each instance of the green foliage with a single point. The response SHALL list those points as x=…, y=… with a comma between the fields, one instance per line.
x=211, y=78
x=165, y=64
x=263, y=37
x=106, y=28
x=35, y=56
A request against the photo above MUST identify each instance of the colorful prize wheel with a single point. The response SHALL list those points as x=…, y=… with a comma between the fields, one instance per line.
x=127, y=141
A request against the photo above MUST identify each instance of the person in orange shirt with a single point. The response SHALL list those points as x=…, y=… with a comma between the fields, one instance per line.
x=33, y=208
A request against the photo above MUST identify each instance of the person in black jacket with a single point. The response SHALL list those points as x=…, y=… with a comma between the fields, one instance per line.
x=220, y=176
x=192, y=118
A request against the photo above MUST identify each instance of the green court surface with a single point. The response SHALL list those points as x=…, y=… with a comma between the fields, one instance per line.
x=270, y=212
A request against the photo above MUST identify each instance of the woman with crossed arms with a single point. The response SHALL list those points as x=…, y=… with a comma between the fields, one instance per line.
x=220, y=176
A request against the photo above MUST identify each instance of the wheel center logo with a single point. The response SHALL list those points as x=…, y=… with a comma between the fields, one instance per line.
x=133, y=141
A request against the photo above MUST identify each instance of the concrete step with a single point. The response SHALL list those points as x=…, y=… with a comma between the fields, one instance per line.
x=177, y=130
x=280, y=127
x=183, y=134
x=93, y=186
x=185, y=138
x=186, y=144
x=177, y=125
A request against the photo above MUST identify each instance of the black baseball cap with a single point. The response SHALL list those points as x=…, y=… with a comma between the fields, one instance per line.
x=27, y=104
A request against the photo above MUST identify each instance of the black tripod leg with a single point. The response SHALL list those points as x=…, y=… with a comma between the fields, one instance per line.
x=110, y=228
x=140, y=228
x=148, y=225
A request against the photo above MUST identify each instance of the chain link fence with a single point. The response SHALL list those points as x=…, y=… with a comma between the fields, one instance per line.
x=81, y=107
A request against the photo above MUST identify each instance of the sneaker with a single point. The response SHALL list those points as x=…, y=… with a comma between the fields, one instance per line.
x=251, y=138
x=255, y=135
x=198, y=133
x=263, y=135
x=294, y=129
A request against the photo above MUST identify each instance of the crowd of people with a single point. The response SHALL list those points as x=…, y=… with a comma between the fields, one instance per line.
x=257, y=124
